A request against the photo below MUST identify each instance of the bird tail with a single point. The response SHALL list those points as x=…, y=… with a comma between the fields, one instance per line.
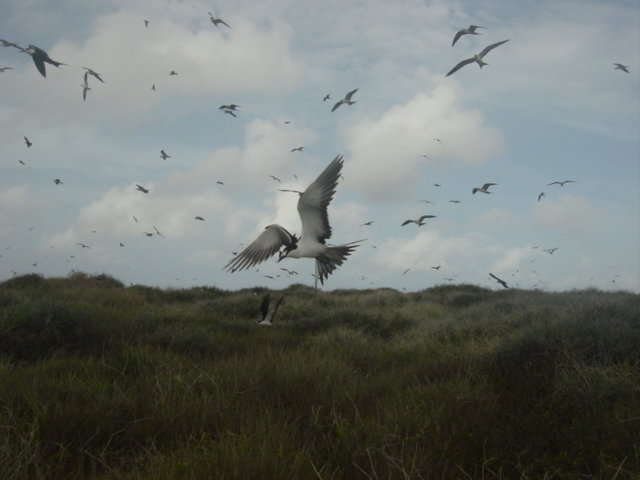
x=332, y=258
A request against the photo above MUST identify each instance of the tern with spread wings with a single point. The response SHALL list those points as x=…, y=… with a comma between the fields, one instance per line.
x=312, y=208
x=478, y=58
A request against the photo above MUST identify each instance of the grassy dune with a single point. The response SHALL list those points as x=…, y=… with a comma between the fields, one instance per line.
x=103, y=381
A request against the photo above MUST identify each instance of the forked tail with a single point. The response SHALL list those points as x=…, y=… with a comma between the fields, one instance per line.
x=332, y=258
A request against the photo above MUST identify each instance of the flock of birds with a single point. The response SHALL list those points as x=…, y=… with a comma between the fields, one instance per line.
x=312, y=203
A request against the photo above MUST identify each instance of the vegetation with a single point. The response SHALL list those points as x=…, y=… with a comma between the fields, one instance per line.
x=103, y=381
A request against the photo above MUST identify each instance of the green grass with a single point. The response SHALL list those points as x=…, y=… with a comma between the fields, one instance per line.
x=103, y=381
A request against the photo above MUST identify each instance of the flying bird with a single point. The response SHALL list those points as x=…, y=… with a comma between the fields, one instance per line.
x=146, y=23
x=484, y=188
x=419, y=221
x=275, y=179
x=312, y=208
x=85, y=88
x=39, y=57
x=619, y=66
x=478, y=57
x=346, y=99
x=57, y=181
x=470, y=30
x=164, y=155
x=93, y=73
x=230, y=112
x=499, y=280
x=173, y=72
x=140, y=188
x=561, y=183
x=268, y=315
x=231, y=106
x=550, y=250
x=6, y=68
x=27, y=142
x=21, y=162
x=540, y=196
x=326, y=97
x=297, y=149
x=200, y=218
x=216, y=21
x=366, y=224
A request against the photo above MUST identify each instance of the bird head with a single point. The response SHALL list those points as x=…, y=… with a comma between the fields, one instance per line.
x=284, y=253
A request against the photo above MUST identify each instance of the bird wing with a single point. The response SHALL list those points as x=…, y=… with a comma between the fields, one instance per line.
x=491, y=47
x=313, y=203
x=348, y=96
x=219, y=20
x=338, y=103
x=458, y=35
x=425, y=216
x=487, y=185
x=38, y=59
x=460, y=65
x=407, y=222
x=268, y=242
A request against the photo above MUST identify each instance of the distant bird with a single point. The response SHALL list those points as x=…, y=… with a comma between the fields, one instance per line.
x=290, y=272
x=230, y=112
x=21, y=162
x=148, y=234
x=561, y=183
x=173, y=72
x=157, y=231
x=439, y=141
x=57, y=181
x=419, y=221
x=4, y=43
x=297, y=149
x=619, y=66
x=146, y=23
x=425, y=156
x=406, y=271
x=83, y=245
x=141, y=189
x=500, y=281
x=326, y=97
x=275, y=179
x=470, y=30
x=484, y=188
x=346, y=99
x=455, y=201
x=437, y=185
x=437, y=267
x=121, y=244
x=540, y=196
x=39, y=57
x=268, y=315
x=216, y=21
x=231, y=106
x=93, y=73
x=153, y=87
x=6, y=68
x=219, y=182
x=366, y=224
x=85, y=88
x=164, y=155
x=135, y=219
x=478, y=57
x=200, y=218
x=312, y=208
x=550, y=250
x=27, y=142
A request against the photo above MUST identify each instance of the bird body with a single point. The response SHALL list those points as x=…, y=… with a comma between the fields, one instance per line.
x=478, y=58
x=39, y=57
x=484, y=188
x=470, y=30
x=346, y=99
x=619, y=66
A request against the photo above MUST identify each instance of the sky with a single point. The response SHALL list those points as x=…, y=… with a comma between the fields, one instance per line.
x=549, y=106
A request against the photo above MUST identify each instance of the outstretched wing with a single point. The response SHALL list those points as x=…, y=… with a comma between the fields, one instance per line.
x=348, y=96
x=38, y=59
x=491, y=47
x=460, y=65
x=267, y=243
x=458, y=35
x=487, y=185
x=313, y=203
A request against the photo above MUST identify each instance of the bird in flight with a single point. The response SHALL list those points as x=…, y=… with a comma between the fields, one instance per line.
x=268, y=314
x=312, y=208
x=27, y=142
x=216, y=21
x=478, y=57
x=484, y=188
x=140, y=188
x=200, y=218
x=275, y=179
x=346, y=99
x=297, y=149
x=499, y=280
x=420, y=221
x=470, y=30
x=146, y=23
x=173, y=72
x=163, y=155
x=231, y=106
x=93, y=73
x=550, y=250
x=230, y=112
x=326, y=97
x=619, y=66
x=21, y=162
x=366, y=224
x=541, y=195
x=39, y=57
x=561, y=183
x=57, y=181
x=6, y=68
x=85, y=88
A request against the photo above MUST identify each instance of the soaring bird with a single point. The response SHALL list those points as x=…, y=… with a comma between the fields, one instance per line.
x=268, y=315
x=297, y=149
x=85, y=88
x=484, y=188
x=4, y=43
x=346, y=99
x=540, y=196
x=470, y=30
x=173, y=72
x=140, y=188
x=231, y=106
x=6, y=68
x=499, y=280
x=57, y=181
x=164, y=155
x=312, y=208
x=562, y=182
x=326, y=97
x=478, y=57
x=27, y=142
x=39, y=57
x=419, y=221
x=230, y=112
x=216, y=21
x=550, y=250
x=619, y=66
x=146, y=23
x=94, y=73
x=200, y=218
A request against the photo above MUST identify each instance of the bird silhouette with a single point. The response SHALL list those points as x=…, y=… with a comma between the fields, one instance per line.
x=478, y=58
x=346, y=99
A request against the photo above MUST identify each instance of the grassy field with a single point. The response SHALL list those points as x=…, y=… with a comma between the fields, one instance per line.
x=103, y=381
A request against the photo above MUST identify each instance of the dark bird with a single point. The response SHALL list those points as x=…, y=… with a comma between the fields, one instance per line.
x=219, y=182
x=157, y=231
x=297, y=149
x=27, y=142
x=275, y=179
x=290, y=272
x=85, y=88
x=550, y=250
x=164, y=155
x=346, y=99
x=268, y=315
x=153, y=87
x=484, y=188
x=2, y=69
x=230, y=112
x=92, y=72
x=146, y=23
x=83, y=245
x=57, y=181
x=312, y=208
x=121, y=244
x=173, y=72
x=200, y=218
x=478, y=57
x=619, y=66
x=141, y=189
x=470, y=30
x=540, y=196
x=39, y=57
x=406, y=271
x=437, y=267
x=455, y=201
x=366, y=224
x=21, y=162
x=326, y=97
x=231, y=106
x=216, y=21
x=561, y=183
x=499, y=280
x=4, y=43
x=419, y=221
x=148, y=234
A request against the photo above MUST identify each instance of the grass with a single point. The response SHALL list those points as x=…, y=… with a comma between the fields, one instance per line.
x=102, y=381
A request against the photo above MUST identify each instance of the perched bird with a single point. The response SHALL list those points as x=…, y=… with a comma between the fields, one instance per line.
x=500, y=281
x=478, y=57
x=484, y=188
x=39, y=57
x=419, y=221
x=346, y=99
x=140, y=188
x=163, y=155
x=470, y=30
x=312, y=208
x=6, y=68
x=268, y=315
x=540, y=196
x=27, y=142
x=561, y=183
x=297, y=149
x=92, y=72
x=57, y=181
x=619, y=66
x=326, y=97
x=216, y=21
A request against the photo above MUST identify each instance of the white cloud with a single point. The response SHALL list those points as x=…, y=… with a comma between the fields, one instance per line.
x=570, y=214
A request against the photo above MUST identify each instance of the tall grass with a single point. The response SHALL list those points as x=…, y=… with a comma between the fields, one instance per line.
x=103, y=381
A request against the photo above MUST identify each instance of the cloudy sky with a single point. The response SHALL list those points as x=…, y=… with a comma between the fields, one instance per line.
x=550, y=106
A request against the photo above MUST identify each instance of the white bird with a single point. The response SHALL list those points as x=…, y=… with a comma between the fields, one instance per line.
x=484, y=188
x=470, y=30
x=268, y=315
x=346, y=99
x=39, y=57
x=312, y=208
x=478, y=57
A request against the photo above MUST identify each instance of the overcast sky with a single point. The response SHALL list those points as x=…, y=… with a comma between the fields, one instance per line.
x=550, y=106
